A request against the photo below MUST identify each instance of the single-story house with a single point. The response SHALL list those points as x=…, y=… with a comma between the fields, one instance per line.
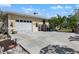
x=22, y=23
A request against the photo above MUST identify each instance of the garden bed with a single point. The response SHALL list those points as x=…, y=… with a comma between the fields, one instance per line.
x=8, y=44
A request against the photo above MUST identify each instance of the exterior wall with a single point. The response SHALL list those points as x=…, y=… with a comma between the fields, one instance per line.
x=12, y=19
x=11, y=28
x=47, y=23
x=34, y=25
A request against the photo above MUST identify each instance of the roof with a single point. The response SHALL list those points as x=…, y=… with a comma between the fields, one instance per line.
x=24, y=14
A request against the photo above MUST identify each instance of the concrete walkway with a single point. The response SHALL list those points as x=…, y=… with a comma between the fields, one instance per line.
x=34, y=42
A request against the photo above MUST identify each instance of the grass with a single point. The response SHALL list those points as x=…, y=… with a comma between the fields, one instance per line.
x=66, y=30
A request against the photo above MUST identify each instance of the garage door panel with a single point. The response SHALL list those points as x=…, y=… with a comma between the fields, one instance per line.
x=23, y=27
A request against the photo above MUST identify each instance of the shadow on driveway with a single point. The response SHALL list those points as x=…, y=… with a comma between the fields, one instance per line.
x=74, y=38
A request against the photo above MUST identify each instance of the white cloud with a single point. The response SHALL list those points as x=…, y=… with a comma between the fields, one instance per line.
x=48, y=15
x=32, y=10
x=5, y=5
x=77, y=5
x=68, y=7
x=56, y=7
x=26, y=9
x=64, y=12
x=39, y=13
x=60, y=7
x=71, y=11
x=29, y=9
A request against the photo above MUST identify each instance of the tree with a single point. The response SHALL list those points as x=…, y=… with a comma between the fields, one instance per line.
x=61, y=21
x=53, y=22
x=57, y=21
x=71, y=21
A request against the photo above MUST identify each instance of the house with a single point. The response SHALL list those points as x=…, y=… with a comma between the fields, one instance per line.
x=22, y=23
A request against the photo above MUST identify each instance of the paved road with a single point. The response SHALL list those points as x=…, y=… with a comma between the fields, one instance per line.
x=35, y=41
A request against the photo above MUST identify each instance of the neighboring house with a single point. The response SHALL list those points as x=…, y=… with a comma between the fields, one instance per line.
x=22, y=23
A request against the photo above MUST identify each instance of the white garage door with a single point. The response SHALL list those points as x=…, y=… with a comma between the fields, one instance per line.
x=23, y=26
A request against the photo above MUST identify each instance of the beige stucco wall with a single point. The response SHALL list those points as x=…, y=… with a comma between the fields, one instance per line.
x=13, y=18
x=47, y=23
x=34, y=25
x=9, y=25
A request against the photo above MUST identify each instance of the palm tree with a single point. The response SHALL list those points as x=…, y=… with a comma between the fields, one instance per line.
x=61, y=21
x=57, y=21
x=53, y=22
x=72, y=20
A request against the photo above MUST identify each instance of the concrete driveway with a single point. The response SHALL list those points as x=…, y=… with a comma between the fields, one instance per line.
x=35, y=41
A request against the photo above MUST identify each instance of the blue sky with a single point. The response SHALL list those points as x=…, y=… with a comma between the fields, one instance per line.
x=46, y=10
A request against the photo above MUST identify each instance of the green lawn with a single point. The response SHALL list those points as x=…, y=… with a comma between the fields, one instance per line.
x=66, y=30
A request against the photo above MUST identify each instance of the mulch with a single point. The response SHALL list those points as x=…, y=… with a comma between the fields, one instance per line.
x=7, y=43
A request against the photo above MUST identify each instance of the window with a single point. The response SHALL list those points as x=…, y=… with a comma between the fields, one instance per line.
x=17, y=20
x=24, y=20
x=21, y=20
x=27, y=21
